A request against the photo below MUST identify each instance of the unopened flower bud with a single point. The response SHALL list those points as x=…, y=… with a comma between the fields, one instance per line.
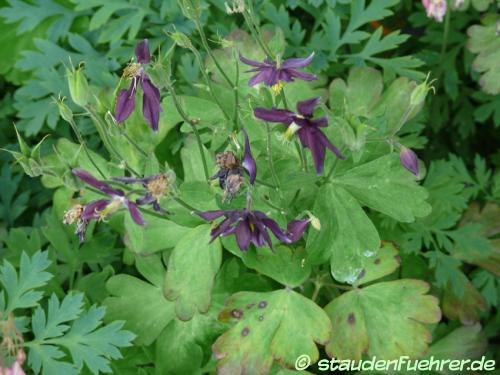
x=64, y=110
x=78, y=86
x=315, y=223
x=182, y=40
x=409, y=160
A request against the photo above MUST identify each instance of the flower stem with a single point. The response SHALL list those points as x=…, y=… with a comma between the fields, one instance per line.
x=101, y=128
x=270, y=158
x=236, y=91
x=446, y=32
x=207, y=48
x=210, y=85
x=185, y=117
x=185, y=204
x=84, y=146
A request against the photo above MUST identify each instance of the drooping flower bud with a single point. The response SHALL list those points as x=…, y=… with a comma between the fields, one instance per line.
x=64, y=110
x=409, y=160
x=78, y=86
x=419, y=93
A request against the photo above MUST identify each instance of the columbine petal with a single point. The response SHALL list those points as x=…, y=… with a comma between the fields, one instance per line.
x=409, y=160
x=150, y=103
x=142, y=52
x=296, y=229
x=211, y=215
x=243, y=235
x=135, y=214
x=262, y=76
x=302, y=75
x=249, y=162
x=306, y=107
x=274, y=115
x=125, y=103
x=298, y=62
x=244, y=60
x=309, y=139
x=326, y=142
x=92, y=181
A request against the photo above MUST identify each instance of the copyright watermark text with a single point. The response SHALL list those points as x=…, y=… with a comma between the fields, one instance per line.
x=403, y=363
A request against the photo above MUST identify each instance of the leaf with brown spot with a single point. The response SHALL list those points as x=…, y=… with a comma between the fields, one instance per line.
x=381, y=264
x=292, y=325
x=466, y=308
x=390, y=321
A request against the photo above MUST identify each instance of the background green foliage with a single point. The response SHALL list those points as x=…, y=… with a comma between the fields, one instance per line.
x=165, y=307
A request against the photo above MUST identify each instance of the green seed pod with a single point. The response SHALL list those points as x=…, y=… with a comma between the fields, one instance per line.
x=78, y=86
x=181, y=40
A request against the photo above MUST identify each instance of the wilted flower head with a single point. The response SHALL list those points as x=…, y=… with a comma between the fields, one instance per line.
x=307, y=128
x=230, y=173
x=435, y=9
x=125, y=103
x=99, y=209
x=157, y=186
x=248, y=226
x=409, y=160
x=275, y=73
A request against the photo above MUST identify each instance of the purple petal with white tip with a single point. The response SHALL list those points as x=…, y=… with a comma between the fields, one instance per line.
x=298, y=62
x=248, y=161
x=257, y=64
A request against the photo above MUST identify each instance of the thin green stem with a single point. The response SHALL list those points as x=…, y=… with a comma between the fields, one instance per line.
x=270, y=158
x=446, y=32
x=236, y=91
x=185, y=117
x=101, y=128
x=84, y=146
x=207, y=48
x=185, y=204
x=210, y=85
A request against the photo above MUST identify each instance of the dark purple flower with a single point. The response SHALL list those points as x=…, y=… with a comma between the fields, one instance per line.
x=157, y=186
x=307, y=128
x=99, y=209
x=248, y=226
x=125, y=103
x=274, y=73
x=409, y=160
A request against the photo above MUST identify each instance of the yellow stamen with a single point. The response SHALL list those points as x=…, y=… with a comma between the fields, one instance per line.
x=73, y=214
x=132, y=70
x=278, y=87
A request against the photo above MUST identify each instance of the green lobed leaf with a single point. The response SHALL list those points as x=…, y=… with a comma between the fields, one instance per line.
x=275, y=326
x=386, y=320
x=191, y=271
x=346, y=233
x=32, y=275
x=386, y=186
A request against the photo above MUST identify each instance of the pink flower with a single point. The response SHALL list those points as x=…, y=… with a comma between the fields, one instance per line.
x=435, y=9
x=16, y=368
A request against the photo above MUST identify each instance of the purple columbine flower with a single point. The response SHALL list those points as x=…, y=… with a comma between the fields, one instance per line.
x=157, y=186
x=99, y=209
x=248, y=226
x=296, y=228
x=409, y=160
x=276, y=73
x=125, y=103
x=307, y=128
